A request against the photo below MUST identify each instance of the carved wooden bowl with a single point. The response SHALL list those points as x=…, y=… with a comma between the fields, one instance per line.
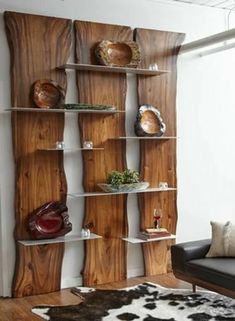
x=149, y=122
x=49, y=220
x=118, y=54
x=48, y=94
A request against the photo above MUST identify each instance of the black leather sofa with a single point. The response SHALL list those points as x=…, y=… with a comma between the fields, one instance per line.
x=190, y=264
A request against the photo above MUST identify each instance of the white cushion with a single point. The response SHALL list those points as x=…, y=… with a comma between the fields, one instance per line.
x=229, y=240
x=223, y=239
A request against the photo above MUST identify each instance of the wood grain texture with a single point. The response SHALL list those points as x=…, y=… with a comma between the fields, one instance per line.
x=158, y=159
x=105, y=259
x=37, y=44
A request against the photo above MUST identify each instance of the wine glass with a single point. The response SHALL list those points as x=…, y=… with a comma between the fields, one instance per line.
x=157, y=215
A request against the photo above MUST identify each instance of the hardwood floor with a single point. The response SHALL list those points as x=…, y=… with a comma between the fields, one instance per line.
x=20, y=309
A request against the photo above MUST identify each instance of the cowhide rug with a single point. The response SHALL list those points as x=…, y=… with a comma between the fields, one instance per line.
x=147, y=302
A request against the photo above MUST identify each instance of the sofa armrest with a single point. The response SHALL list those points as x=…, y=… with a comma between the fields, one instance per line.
x=183, y=252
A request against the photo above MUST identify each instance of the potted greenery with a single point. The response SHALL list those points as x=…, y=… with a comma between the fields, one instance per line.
x=125, y=181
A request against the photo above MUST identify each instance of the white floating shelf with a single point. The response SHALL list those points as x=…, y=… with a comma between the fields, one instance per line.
x=61, y=239
x=147, y=190
x=99, y=68
x=136, y=240
x=69, y=149
x=145, y=137
x=63, y=110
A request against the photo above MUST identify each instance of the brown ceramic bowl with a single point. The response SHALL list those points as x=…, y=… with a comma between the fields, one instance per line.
x=149, y=122
x=48, y=94
x=49, y=220
x=118, y=54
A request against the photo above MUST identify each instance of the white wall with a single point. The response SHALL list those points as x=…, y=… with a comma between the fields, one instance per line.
x=206, y=154
x=205, y=124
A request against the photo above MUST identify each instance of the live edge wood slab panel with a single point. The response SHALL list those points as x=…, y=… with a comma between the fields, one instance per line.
x=38, y=44
x=158, y=158
x=105, y=259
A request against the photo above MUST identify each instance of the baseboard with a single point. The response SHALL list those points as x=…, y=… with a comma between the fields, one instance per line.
x=71, y=282
x=6, y=293
x=131, y=273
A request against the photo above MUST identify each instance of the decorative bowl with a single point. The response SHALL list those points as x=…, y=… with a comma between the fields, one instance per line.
x=49, y=220
x=48, y=94
x=118, y=54
x=149, y=122
x=109, y=188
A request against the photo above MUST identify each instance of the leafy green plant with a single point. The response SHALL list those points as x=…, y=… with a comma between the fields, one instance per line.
x=128, y=176
x=115, y=178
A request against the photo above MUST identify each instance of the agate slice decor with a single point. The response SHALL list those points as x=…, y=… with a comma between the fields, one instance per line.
x=149, y=122
x=49, y=221
x=118, y=54
x=48, y=94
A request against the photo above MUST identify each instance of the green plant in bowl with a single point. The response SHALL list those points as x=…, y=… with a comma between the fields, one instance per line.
x=131, y=176
x=126, y=181
x=115, y=178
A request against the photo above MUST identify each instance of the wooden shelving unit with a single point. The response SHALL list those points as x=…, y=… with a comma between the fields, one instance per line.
x=40, y=175
x=158, y=160
x=105, y=86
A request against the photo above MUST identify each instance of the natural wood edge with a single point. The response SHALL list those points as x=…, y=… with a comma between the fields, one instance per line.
x=25, y=262
x=39, y=177
x=108, y=213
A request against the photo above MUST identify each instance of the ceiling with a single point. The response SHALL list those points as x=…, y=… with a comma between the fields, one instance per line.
x=222, y=4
